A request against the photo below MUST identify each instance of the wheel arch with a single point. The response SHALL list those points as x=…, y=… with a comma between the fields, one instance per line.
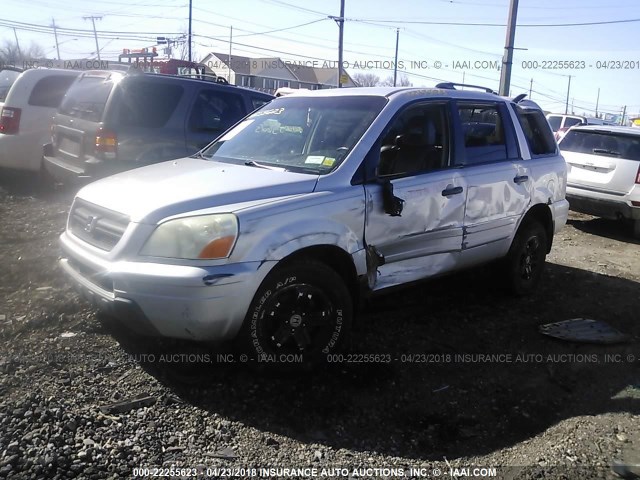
x=335, y=258
x=541, y=213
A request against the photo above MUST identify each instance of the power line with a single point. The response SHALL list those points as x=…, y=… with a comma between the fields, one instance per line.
x=467, y=24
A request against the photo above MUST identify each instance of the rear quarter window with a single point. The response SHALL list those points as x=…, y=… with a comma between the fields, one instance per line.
x=48, y=91
x=537, y=132
x=258, y=102
x=7, y=77
x=570, y=122
x=145, y=104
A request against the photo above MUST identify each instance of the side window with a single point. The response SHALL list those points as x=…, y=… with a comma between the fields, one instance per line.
x=536, y=130
x=416, y=141
x=484, y=135
x=48, y=91
x=215, y=110
x=258, y=102
x=147, y=104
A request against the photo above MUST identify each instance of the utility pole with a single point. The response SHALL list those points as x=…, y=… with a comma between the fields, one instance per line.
x=17, y=44
x=530, y=88
x=395, y=64
x=230, y=43
x=624, y=114
x=340, y=42
x=55, y=34
x=566, y=103
x=573, y=99
x=95, y=35
x=597, y=102
x=505, y=74
x=190, y=17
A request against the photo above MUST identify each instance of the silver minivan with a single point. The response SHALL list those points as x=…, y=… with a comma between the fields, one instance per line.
x=274, y=233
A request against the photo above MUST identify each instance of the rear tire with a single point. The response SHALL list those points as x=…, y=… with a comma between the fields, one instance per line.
x=636, y=229
x=301, y=313
x=525, y=261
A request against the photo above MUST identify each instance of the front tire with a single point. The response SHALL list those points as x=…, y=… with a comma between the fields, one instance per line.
x=525, y=261
x=301, y=313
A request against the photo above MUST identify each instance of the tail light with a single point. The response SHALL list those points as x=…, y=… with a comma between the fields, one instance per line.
x=10, y=120
x=106, y=143
x=638, y=176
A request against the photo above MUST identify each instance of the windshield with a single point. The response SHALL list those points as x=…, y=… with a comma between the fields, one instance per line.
x=303, y=134
x=7, y=77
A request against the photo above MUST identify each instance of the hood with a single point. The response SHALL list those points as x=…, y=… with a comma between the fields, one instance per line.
x=149, y=194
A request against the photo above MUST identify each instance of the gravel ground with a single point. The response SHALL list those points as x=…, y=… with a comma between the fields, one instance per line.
x=470, y=383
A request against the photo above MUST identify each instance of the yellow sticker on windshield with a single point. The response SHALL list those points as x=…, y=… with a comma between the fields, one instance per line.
x=328, y=162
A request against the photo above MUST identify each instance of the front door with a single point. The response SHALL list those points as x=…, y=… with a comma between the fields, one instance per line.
x=426, y=237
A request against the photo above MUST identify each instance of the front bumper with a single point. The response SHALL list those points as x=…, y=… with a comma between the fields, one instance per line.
x=601, y=205
x=177, y=301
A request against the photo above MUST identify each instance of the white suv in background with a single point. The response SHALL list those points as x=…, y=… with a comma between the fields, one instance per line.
x=25, y=117
x=604, y=172
x=560, y=122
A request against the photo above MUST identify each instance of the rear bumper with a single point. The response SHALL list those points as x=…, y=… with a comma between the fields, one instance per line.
x=601, y=205
x=91, y=169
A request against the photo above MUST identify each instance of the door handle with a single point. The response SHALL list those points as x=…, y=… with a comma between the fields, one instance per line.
x=447, y=192
x=521, y=179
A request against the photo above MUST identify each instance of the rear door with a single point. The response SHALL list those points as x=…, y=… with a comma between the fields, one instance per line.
x=601, y=160
x=499, y=181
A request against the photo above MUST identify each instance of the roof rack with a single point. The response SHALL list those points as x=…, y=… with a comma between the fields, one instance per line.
x=452, y=86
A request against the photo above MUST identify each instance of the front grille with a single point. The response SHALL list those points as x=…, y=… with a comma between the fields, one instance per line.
x=96, y=225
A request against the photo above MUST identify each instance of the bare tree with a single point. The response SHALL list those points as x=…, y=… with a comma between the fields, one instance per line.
x=11, y=54
x=366, y=79
x=402, y=81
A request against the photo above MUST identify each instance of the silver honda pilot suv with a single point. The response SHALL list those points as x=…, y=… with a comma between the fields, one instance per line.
x=275, y=232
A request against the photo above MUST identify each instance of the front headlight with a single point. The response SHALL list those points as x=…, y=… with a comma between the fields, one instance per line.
x=205, y=236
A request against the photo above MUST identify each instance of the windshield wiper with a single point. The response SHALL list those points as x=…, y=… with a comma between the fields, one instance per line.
x=252, y=163
x=199, y=154
x=604, y=151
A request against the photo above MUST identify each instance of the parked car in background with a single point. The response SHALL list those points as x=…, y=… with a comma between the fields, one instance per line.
x=111, y=121
x=560, y=122
x=8, y=75
x=604, y=174
x=279, y=229
x=25, y=117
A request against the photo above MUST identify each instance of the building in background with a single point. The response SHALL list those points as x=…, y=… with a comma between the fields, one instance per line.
x=270, y=74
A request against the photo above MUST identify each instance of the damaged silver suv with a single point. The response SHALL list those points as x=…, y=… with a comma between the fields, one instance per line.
x=274, y=233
